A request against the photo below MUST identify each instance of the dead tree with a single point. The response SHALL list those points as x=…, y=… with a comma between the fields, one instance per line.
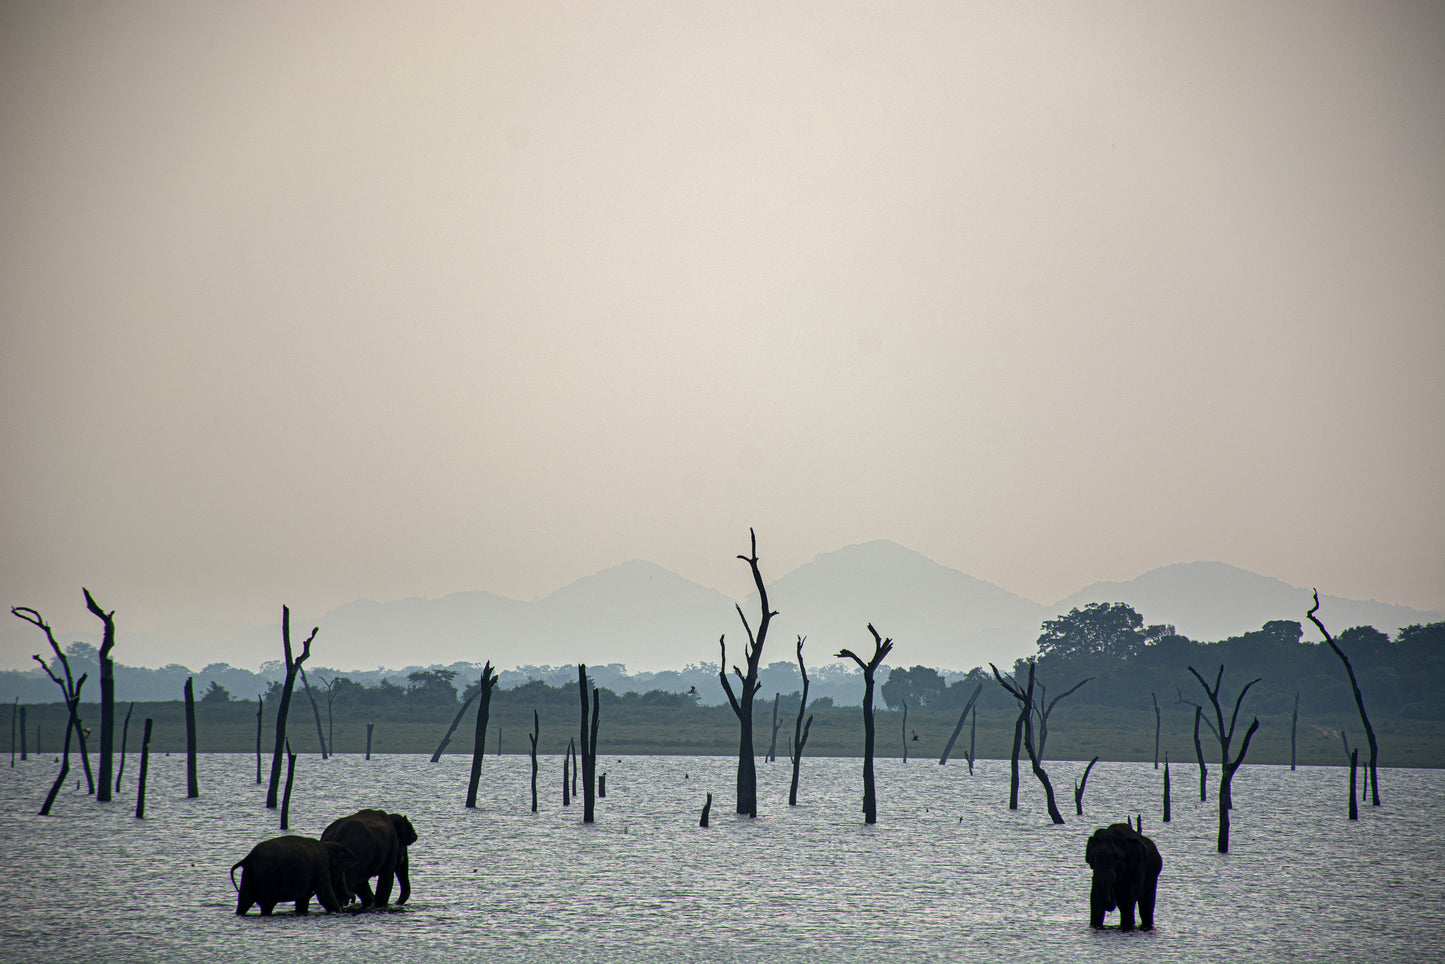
x=973, y=738
x=14, y=720
x=773, y=746
x=316, y=712
x=286, y=797
x=456, y=721
x=1354, y=765
x=742, y=701
x=330, y=685
x=1025, y=696
x=536, y=732
x=293, y=667
x=800, y=729
x=588, y=737
x=1228, y=766
x=881, y=648
x=369, y=728
x=479, y=739
x=1373, y=775
x=1198, y=746
x=23, y=755
x=260, y=705
x=1079, y=784
x=107, y=695
x=193, y=787
x=70, y=690
x=567, y=776
x=145, y=761
x=1166, y=788
x=706, y=811
x=948, y=747
x=124, y=734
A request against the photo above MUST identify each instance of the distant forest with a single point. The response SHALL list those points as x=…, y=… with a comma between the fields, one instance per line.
x=1130, y=666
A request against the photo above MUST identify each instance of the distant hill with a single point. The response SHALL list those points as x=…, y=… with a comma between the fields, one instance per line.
x=1210, y=601
x=651, y=619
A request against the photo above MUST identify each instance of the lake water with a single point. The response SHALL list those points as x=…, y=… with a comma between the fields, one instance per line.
x=948, y=873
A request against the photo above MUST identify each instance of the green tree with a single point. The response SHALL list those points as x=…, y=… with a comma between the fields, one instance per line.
x=919, y=686
x=216, y=694
x=1112, y=630
x=431, y=686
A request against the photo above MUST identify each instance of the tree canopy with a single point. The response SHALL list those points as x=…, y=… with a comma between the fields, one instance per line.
x=1112, y=630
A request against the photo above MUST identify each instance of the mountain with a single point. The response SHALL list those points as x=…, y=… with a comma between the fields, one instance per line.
x=936, y=616
x=1210, y=601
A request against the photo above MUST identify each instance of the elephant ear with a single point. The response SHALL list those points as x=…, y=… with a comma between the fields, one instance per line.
x=1093, y=850
x=405, y=832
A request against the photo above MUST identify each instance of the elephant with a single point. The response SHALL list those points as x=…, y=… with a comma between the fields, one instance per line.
x=1126, y=871
x=379, y=840
x=292, y=868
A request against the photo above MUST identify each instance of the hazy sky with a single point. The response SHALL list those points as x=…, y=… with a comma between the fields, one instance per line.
x=309, y=302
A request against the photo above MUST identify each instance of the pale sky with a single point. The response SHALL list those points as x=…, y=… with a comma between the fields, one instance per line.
x=305, y=303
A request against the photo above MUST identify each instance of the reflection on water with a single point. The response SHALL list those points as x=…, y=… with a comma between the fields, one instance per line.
x=948, y=873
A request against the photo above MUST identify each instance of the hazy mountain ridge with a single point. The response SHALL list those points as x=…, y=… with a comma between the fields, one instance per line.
x=651, y=619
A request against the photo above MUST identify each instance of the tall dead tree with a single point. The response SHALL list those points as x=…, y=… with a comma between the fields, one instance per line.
x=1079, y=784
x=588, y=738
x=479, y=738
x=145, y=761
x=14, y=720
x=193, y=786
x=124, y=734
x=800, y=729
x=748, y=686
x=260, y=705
x=1373, y=774
x=1293, y=729
x=973, y=738
x=905, y=730
x=1157, y=720
x=1198, y=746
x=881, y=648
x=70, y=689
x=773, y=745
x=330, y=685
x=536, y=732
x=315, y=712
x=1226, y=737
x=293, y=668
x=948, y=748
x=286, y=796
x=107, y=694
x=1166, y=788
x=1025, y=696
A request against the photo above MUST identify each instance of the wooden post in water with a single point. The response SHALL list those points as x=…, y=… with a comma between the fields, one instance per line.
x=1354, y=764
x=1156, y=729
x=1166, y=788
x=536, y=732
x=905, y=730
x=286, y=796
x=14, y=718
x=369, y=728
x=260, y=705
x=193, y=788
x=124, y=736
x=602, y=784
x=707, y=809
x=145, y=761
x=567, y=776
x=23, y=755
x=1293, y=729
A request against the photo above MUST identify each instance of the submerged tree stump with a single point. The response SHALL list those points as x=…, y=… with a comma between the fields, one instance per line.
x=800, y=730
x=479, y=740
x=193, y=787
x=107, y=695
x=1079, y=788
x=536, y=732
x=124, y=736
x=286, y=797
x=369, y=728
x=707, y=810
x=283, y=708
x=145, y=761
x=881, y=648
x=1166, y=788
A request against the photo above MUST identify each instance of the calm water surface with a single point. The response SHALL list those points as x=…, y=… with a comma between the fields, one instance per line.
x=948, y=873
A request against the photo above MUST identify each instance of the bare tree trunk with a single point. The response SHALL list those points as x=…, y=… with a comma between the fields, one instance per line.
x=800, y=730
x=948, y=748
x=14, y=720
x=973, y=738
x=145, y=760
x=881, y=648
x=536, y=732
x=316, y=712
x=286, y=797
x=588, y=737
x=742, y=702
x=1166, y=788
x=706, y=811
x=107, y=695
x=23, y=755
x=1228, y=766
x=1079, y=788
x=124, y=735
x=1354, y=765
x=1199, y=752
x=456, y=721
x=369, y=728
x=71, y=705
x=1373, y=777
x=70, y=690
x=293, y=667
x=1025, y=696
x=773, y=746
x=193, y=787
x=479, y=740
x=566, y=776
x=260, y=705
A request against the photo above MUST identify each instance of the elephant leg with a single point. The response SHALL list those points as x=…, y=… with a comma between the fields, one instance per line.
x=363, y=891
x=403, y=874
x=267, y=906
x=243, y=904
x=1146, y=905
x=1126, y=914
x=383, y=884
x=303, y=905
